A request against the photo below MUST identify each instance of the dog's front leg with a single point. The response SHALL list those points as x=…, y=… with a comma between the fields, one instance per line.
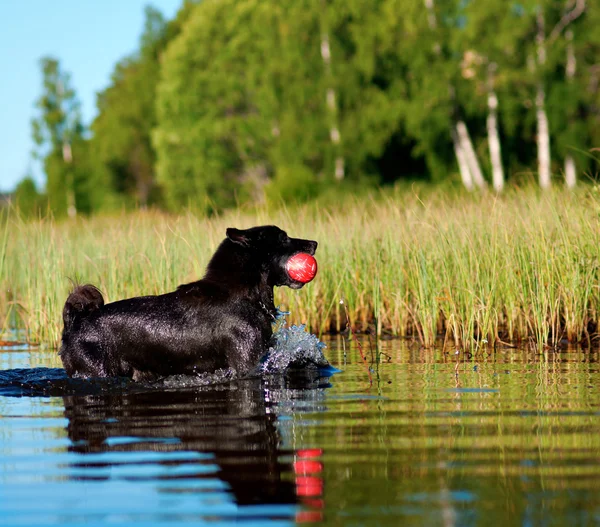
x=248, y=345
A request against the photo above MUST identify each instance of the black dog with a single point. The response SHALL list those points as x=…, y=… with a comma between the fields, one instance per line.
x=221, y=321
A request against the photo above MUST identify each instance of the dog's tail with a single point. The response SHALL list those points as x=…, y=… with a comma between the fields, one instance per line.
x=82, y=301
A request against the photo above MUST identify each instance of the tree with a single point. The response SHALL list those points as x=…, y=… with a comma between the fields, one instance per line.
x=57, y=131
x=434, y=110
x=232, y=101
x=331, y=99
x=550, y=24
x=488, y=42
x=28, y=200
x=246, y=100
x=567, y=91
x=311, y=101
x=121, y=142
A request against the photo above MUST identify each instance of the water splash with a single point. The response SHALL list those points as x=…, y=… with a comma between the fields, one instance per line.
x=293, y=347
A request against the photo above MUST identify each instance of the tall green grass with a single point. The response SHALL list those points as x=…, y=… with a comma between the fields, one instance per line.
x=473, y=269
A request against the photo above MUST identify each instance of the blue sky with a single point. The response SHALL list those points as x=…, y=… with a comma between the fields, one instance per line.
x=87, y=36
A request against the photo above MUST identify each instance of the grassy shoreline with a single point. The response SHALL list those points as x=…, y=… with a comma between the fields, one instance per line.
x=521, y=266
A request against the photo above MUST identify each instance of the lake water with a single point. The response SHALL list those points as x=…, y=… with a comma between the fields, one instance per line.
x=507, y=438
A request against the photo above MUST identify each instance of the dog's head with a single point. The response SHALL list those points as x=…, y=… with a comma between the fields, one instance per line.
x=267, y=250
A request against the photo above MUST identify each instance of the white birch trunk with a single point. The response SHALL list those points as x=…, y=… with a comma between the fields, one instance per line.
x=493, y=135
x=570, y=169
x=470, y=155
x=543, y=133
x=334, y=132
x=68, y=159
x=67, y=155
x=431, y=20
x=543, y=138
x=463, y=166
x=470, y=172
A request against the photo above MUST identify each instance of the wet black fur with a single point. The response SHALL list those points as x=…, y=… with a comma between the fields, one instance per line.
x=221, y=321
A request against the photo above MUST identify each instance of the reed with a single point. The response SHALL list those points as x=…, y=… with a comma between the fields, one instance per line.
x=524, y=265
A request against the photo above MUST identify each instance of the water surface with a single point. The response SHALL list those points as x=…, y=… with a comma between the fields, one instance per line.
x=506, y=438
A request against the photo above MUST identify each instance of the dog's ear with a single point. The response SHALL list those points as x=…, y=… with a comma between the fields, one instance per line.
x=238, y=236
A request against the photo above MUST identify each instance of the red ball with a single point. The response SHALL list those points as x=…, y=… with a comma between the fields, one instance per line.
x=301, y=267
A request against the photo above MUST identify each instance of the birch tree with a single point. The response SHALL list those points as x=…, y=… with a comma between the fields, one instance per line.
x=475, y=66
x=575, y=9
x=55, y=130
x=122, y=129
x=468, y=164
x=492, y=130
x=334, y=130
x=543, y=132
x=571, y=65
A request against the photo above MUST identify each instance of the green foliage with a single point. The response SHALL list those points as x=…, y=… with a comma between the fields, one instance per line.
x=208, y=123
x=121, y=144
x=238, y=101
x=293, y=185
x=58, y=133
x=59, y=120
x=29, y=202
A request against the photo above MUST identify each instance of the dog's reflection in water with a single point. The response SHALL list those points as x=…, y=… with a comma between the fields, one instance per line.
x=234, y=427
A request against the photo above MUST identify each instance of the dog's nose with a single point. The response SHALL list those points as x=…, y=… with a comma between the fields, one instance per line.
x=312, y=247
